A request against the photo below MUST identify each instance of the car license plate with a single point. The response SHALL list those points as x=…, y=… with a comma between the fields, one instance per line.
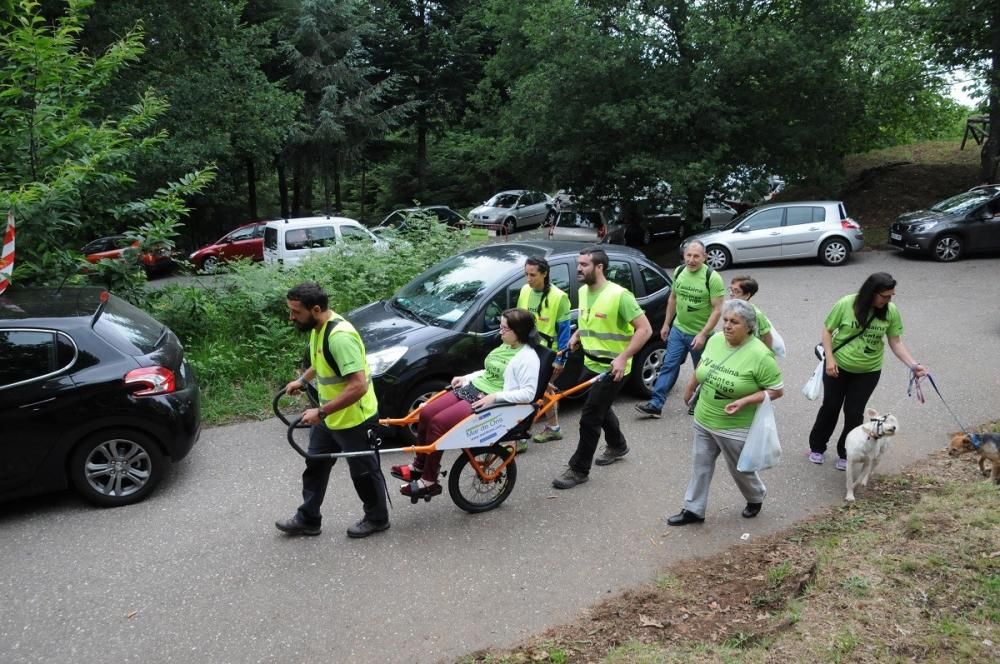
x=895, y=236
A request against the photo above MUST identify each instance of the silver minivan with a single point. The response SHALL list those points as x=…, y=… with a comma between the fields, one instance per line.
x=512, y=209
x=782, y=231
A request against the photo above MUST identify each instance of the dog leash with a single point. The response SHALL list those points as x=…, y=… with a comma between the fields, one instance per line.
x=913, y=389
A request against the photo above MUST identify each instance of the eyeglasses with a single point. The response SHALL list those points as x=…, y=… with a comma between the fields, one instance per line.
x=504, y=328
x=884, y=296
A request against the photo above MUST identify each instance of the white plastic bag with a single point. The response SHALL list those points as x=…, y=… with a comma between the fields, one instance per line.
x=777, y=343
x=761, y=449
x=814, y=386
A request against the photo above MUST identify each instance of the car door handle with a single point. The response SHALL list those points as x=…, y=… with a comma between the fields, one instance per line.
x=814, y=228
x=36, y=405
x=776, y=233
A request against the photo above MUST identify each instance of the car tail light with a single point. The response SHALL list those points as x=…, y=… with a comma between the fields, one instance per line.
x=850, y=225
x=151, y=380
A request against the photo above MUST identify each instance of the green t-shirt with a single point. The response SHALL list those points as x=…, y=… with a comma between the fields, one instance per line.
x=491, y=380
x=763, y=324
x=864, y=354
x=349, y=351
x=694, y=301
x=740, y=372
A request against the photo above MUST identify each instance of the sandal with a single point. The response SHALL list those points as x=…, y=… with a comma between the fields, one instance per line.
x=405, y=472
x=415, y=491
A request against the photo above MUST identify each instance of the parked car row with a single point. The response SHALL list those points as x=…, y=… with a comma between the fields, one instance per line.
x=116, y=247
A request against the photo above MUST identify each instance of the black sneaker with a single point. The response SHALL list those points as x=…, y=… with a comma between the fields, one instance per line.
x=295, y=527
x=649, y=409
x=364, y=528
x=683, y=518
x=569, y=479
x=610, y=455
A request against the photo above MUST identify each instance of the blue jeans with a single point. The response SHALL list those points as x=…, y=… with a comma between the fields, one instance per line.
x=678, y=347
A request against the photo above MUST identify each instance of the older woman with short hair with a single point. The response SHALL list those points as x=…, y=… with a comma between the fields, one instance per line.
x=735, y=371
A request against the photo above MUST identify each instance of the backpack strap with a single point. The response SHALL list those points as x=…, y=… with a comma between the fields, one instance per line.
x=708, y=275
x=337, y=320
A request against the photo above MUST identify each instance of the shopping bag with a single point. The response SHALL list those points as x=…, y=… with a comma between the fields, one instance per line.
x=777, y=343
x=814, y=386
x=761, y=449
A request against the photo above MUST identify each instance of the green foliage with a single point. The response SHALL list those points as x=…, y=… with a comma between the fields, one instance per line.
x=67, y=171
x=236, y=332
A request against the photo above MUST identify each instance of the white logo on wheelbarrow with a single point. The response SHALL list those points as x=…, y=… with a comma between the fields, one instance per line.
x=488, y=427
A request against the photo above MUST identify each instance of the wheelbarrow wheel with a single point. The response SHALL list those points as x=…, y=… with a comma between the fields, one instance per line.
x=468, y=489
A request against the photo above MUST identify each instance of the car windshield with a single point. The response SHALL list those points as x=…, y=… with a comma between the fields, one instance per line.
x=503, y=201
x=442, y=295
x=735, y=221
x=964, y=202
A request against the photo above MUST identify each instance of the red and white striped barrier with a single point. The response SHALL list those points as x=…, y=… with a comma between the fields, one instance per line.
x=7, y=256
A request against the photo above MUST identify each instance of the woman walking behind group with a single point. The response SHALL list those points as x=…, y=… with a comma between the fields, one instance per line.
x=854, y=335
x=735, y=372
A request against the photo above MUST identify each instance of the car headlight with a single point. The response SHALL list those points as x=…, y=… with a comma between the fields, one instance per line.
x=926, y=226
x=381, y=361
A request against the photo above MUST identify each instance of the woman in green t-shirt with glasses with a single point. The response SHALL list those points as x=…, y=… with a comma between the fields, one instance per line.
x=854, y=336
x=735, y=371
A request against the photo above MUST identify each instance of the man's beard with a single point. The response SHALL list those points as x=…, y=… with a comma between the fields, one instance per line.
x=305, y=327
x=585, y=278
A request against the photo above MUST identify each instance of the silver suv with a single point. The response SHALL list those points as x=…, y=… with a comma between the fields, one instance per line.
x=783, y=231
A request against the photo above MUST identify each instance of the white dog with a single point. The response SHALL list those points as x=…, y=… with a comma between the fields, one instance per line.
x=865, y=446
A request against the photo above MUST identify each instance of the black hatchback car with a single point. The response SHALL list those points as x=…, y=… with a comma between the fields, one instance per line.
x=94, y=392
x=445, y=321
x=948, y=230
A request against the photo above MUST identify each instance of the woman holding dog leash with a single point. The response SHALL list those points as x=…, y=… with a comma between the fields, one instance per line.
x=854, y=335
x=736, y=373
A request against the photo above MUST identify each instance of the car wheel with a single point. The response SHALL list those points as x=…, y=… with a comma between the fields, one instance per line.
x=645, y=367
x=417, y=397
x=116, y=467
x=948, y=248
x=717, y=257
x=209, y=264
x=834, y=251
x=509, y=225
x=647, y=236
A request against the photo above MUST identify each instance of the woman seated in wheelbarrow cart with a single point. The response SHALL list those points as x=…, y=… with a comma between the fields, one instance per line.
x=510, y=375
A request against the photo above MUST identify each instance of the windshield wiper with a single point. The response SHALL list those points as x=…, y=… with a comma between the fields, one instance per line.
x=401, y=306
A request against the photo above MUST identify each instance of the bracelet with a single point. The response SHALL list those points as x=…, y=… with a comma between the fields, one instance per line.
x=302, y=381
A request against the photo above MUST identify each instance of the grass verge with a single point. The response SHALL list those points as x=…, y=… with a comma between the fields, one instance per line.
x=911, y=572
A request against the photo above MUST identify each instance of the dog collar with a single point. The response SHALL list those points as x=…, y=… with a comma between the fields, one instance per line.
x=879, y=426
x=976, y=442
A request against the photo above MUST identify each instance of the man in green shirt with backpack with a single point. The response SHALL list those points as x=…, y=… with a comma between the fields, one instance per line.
x=693, y=309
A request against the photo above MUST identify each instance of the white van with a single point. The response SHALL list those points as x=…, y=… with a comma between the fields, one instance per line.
x=288, y=241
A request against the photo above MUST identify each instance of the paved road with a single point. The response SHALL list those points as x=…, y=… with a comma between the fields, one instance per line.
x=199, y=574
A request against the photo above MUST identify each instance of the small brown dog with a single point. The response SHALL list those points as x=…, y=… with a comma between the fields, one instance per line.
x=988, y=446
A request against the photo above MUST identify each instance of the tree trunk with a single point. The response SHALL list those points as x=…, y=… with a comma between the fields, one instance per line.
x=297, y=177
x=251, y=188
x=422, y=83
x=279, y=165
x=337, y=201
x=990, y=156
x=364, y=188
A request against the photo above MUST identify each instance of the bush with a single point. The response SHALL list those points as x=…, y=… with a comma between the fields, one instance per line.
x=236, y=332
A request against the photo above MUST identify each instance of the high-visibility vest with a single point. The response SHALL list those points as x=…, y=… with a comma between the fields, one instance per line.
x=545, y=318
x=329, y=381
x=598, y=326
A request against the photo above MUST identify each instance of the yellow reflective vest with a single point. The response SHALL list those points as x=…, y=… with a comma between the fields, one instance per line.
x=329, y=381
x=599, y=328
x=545, y=319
